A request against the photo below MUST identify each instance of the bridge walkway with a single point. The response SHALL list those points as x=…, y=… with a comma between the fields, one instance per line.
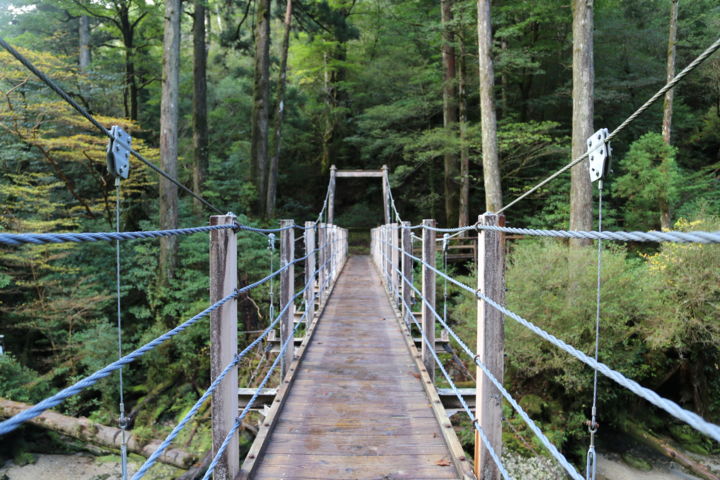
x=359, y=405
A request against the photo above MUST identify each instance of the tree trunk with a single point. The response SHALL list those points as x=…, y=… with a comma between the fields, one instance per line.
x=200, y=125
x=665, y=448
x=282, y=81
x=668, y=104
x=582, y=117
x=97, y=434
x=491, y=165
x=464, y=207
x=169, y=137
x=261, y=103
x=84, y=38
x=450, y=111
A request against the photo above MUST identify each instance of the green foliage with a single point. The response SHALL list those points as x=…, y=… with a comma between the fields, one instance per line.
x=14, y=380
x=650, y=182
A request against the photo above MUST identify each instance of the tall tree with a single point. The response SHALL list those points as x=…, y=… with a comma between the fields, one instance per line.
x=84, y=39
x=582, y=116
x=450, y=110
x=126, y=16
x=261, y=103
x=282, y=81
x=668, y=104
x=464, y=206
x=169, y=137
x=488, y=119
x=199, y=114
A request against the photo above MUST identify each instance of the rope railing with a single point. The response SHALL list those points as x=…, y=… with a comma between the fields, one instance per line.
x=651, y=236
x=288, y=341
x=453, y=387
x=692, y=419
x=45, y=238
x=516, y=406
x=55, y=400
x=213, y=386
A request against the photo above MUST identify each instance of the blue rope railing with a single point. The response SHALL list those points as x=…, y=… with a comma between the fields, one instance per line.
x=692, y=419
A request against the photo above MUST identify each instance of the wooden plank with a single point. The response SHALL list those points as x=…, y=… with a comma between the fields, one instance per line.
x=353, y=400
x=260, y=443
x=287, y=290
x=428, y=292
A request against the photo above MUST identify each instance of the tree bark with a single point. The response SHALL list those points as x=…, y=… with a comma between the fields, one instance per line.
x=200, y=125
x=464, y=206
x=491, y=163
x=668, y=104
x=169, y=137
x=97, y=434
x=582, y=117
x=84, y=39
x=261, y=103
x=282, y=81
x=450, y=111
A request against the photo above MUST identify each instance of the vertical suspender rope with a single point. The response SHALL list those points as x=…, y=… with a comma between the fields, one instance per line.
x=445, y=241
x=271, y=248
x=123, y=420
x=591, y=465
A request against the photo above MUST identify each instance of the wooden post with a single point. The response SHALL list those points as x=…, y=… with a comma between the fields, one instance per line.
x=490, y=344
x=394, y=262
x=407, y=270
x=309, y=271
x=388, y=257
x=428, y=290
x=331, y=195
x=322, y=257
x=287, y=290
x=223, y=344
x=386, y=194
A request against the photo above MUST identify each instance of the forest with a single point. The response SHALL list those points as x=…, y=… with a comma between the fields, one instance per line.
x=469, y=103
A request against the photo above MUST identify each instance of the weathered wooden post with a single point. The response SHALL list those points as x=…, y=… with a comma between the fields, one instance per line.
x=287, y=290
x=331, y=195
x=407, y=270
x=386, y=194
x=223, y=342
x=394, y=262
x=309, y=271
x=388, y=256
x=490, y=344
x=428, y=290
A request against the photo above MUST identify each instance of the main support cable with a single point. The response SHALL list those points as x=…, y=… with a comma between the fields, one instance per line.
x=659, y=94
x=57, y=89
x=691, y=418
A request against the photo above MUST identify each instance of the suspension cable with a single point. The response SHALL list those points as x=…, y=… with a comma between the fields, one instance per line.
x=57, y=89
x=659, y=94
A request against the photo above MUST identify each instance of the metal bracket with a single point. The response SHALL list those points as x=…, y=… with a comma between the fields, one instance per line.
x=118, y=152
x=599, y=152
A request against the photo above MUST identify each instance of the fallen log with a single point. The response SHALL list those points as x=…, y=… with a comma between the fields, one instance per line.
x=665, y=448
x=87, y=431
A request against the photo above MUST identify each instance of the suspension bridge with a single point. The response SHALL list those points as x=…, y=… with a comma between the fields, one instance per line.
x=355, y=346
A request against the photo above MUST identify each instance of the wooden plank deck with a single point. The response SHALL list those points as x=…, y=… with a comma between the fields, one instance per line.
x=357, y=406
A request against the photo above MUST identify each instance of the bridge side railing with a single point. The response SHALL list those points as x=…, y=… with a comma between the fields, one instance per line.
x=397, y=277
